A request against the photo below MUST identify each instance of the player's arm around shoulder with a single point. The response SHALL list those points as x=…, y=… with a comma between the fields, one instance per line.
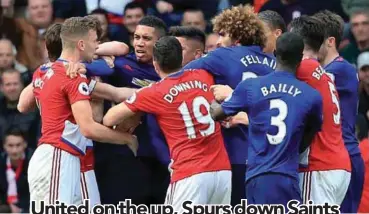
x=27, y=100
x=111, y=93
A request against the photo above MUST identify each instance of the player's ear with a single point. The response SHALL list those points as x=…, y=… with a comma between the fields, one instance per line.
x=198, y=53
x=278, y=32
x=156, y=66
x=331, y=42
x=81, y=45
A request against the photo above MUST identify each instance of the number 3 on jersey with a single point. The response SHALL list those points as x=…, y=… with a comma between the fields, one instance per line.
x=199, y=117
x=278, y=121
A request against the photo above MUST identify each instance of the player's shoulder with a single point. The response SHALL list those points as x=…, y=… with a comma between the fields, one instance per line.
x=341, y=64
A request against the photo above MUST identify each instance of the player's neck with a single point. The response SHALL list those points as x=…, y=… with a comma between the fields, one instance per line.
x=308, y=53
x=331, y=55
x=288, y=69
x=70, y=55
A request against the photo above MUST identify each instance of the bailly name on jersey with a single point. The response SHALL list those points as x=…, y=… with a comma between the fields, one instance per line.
x=280, y=88
x=252, y=59
x=175, y=90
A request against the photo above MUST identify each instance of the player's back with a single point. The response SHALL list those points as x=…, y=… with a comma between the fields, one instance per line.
x=346, y=79
x=327, y=150
x=55, y=92
x=194, y=138
x=230, y=66
x=280, y=108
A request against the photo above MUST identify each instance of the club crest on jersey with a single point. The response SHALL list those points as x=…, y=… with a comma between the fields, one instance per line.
x=83, y=89
x=131, y=99
x=141, y=83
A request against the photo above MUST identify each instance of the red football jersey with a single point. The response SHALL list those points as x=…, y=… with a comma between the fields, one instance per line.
x=55, y=92
x=364, y=203
x=327, y=151
x=181, y=104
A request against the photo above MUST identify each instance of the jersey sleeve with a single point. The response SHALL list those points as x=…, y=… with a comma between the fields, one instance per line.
x=144, y=100
x=98, y=68
x=315, y=117
x=78, y=89
x=239, y=100
x=210, y=62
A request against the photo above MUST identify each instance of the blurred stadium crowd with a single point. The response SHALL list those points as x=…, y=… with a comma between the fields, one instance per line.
x=22, y=50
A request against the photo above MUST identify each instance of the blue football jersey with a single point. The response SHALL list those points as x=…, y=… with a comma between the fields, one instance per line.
x=346, y=79
x=279, y=107
x=230, y=66
x=128, y=72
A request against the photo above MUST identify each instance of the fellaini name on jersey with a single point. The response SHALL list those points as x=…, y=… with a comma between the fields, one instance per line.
x=181, y=87
x=252, y=59
x=281, y=88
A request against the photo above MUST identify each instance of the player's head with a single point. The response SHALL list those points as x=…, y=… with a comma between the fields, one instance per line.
x=148, y=31
x=310, y=29
x=289, y=51
x=192, y=40
x=333, y=26
x=79, y=35
x=274, y=27
x=53, y=41
x=239, y=26
x=14, y=143
x=167, y=55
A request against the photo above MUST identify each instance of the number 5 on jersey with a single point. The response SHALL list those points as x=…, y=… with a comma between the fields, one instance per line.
x=198, y=116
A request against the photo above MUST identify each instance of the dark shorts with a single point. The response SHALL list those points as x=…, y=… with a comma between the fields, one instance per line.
x=272, y=189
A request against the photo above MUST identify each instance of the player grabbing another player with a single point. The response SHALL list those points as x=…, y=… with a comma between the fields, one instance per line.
x=239, y=57
x=200, y=165
x=280, y=108
x=67, y=122
x=346, y=79
x=325, y=165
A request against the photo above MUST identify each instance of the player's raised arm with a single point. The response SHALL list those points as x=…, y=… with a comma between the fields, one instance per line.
x=313, y=123
x=113, y=48
x=27, y=100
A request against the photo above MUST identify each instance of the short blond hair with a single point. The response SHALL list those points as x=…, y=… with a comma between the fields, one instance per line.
x=76, y=27
x=242, y=24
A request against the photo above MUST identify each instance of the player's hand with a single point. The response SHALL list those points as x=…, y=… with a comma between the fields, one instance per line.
x=130, y=124
x=240, y=118
x=221, y=92
x=73, y=69
x=109, y=60
x=133, y=145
